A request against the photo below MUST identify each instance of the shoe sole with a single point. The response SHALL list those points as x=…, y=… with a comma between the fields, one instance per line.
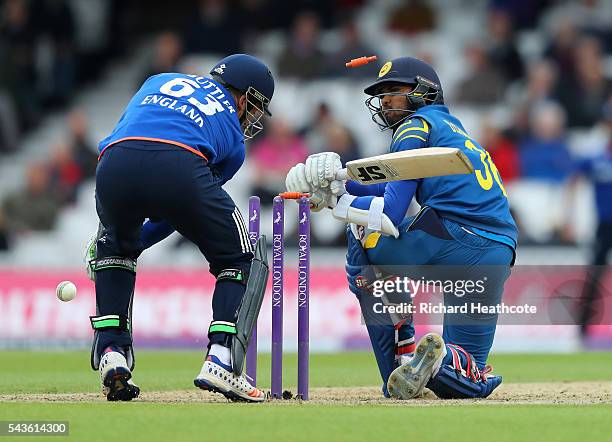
x=408, y=381
x=208, y=385
x=119, y=389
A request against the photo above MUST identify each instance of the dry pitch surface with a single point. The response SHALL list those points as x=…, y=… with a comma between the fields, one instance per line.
x=574, y=393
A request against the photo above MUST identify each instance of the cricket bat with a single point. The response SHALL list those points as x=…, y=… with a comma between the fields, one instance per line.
x=407, y=165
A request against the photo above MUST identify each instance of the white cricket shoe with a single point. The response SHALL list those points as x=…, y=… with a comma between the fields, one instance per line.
x=116, y=377
x=217, y=377
x=407, y=381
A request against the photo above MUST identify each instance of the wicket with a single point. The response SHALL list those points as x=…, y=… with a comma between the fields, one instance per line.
x=278, y=252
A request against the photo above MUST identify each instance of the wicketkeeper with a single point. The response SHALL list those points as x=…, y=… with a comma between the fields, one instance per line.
x=179, y=140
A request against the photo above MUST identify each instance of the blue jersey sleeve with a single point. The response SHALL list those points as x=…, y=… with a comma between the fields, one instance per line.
x=413, y=134
x=154, y=232
x=230, y=165
x=398, y=195
x=358, y=189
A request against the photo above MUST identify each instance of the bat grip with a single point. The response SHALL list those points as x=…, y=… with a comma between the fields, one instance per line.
x=342, y=174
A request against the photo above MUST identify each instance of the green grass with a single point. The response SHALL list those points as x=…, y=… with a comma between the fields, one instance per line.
x=215, y=422
x=39, y=372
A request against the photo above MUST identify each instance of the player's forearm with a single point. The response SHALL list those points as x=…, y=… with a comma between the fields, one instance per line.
x=357, y=189
x=395, y=201
x=398, y=196
x=154, y=232
x=378, y=213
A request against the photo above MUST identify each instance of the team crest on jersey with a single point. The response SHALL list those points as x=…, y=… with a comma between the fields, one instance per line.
x=385, y=69
x=219, y=69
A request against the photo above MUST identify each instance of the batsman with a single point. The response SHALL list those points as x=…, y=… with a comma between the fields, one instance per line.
x=179, y=140
x=464, y=223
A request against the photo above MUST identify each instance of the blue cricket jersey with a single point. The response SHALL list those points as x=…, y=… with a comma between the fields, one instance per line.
x=189, y=111
x=476, y=200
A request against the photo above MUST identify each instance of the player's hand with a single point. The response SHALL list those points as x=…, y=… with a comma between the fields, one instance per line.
x=296, y=179
x=321, y=169
x=322, y=198
x=337, y=188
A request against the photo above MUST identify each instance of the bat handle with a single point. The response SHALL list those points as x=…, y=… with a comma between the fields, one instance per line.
x=342, y=174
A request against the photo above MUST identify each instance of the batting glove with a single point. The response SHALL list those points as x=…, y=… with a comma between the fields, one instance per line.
x=321, y=169
x=322, y=198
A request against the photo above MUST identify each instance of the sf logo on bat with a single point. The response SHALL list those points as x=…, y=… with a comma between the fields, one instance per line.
x=370, y=173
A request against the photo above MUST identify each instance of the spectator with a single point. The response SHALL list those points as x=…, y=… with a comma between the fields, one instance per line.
x=33, y=208
x=18, y=36
x=84, y=153
x=340, y=140
x=540, y=87
x=544, y=155
x=9, y=124
x=352, y=47
x=585, y=94
x=598, y=170
x=561, y=49
x=502, y=50
x=58, y=23
x=302, y=57
x=4, y=235
x=212, y=29
x=594, y=16
x=326, y=133
x=255, y=16
x=502, y=149
x=524, y=13
x=168, y=51
x=484, y=85
x=273, y=155
x=412, y=17
x=64, y=174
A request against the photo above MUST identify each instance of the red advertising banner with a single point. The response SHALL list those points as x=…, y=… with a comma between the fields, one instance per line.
x=173, y=308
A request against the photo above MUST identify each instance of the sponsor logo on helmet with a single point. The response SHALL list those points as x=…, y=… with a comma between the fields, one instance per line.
x=385, y=69
x=427, y=82
x=219, y=69
x=261, y=97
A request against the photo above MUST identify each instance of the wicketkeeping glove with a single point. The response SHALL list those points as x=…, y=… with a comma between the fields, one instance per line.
x=91, y=252
x=296, y=179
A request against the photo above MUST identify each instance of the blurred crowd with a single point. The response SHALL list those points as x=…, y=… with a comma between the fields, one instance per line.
x=560, y=88
x=45, y=55
x=51, y=184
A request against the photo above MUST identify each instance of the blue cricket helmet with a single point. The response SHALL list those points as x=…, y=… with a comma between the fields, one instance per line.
x=404, y=70
x=246, y=73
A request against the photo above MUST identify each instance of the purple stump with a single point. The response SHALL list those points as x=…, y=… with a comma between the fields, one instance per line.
x=303, y=296
x=278, y=249
x=251, y=356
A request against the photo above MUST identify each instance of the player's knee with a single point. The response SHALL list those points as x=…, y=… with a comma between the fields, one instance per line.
x=241, y=263
x=110, y=245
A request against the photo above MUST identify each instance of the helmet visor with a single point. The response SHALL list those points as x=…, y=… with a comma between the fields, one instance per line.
x=256, y=107
x=386, y=117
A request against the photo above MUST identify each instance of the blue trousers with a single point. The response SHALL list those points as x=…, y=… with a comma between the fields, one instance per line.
x=136, y=180
x=445, y=245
